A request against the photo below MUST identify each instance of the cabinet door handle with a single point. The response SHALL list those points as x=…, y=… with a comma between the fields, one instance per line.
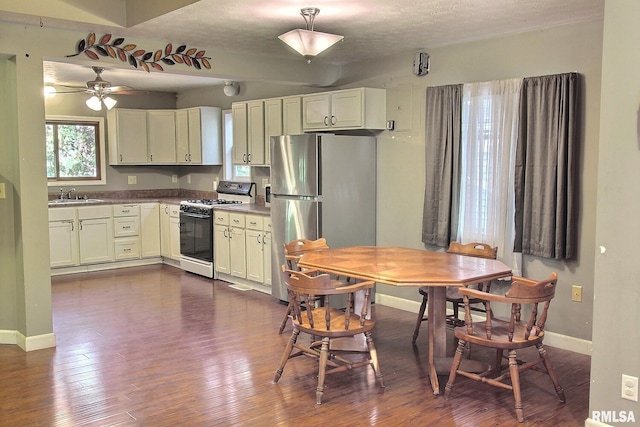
x=249, y=158
x=189, y=157
x=120, y=158
x=186, y=157
x=244, y=158
x=80, y=225
x=151, y=157
x=333, y=120
x=258, y=238
x=326, y=121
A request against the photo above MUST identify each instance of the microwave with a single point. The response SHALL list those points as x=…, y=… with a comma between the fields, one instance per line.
x=267, y=195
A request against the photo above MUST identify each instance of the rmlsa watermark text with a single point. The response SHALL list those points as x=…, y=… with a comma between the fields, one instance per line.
x=613, y=416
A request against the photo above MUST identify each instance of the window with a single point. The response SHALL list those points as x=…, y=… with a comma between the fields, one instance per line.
x=75, y=150
x=232, y=172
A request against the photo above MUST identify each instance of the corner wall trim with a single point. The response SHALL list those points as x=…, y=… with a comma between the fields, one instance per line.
x=33, y=343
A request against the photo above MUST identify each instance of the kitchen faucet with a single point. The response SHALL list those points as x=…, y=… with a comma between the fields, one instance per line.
x=61, y=194
x=69, y=193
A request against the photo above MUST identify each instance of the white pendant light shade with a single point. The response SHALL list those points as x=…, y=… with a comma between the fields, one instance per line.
x=309, y=43
x=94, y=103
x=109, y=102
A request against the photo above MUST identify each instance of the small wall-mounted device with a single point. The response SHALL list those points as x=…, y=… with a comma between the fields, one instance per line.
x=391, y=124
x=421, y=63
x=231, y=88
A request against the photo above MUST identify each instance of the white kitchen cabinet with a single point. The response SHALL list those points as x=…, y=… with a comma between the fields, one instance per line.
x=149, y=230
x=229, y=243
x=360, y=108
x=199, y=136
x=266, y=250
x=272, y=124
x=127, y=130
x=254, y=247
x=126, y=231
x=237, y=245
x=161, y=137
x=292, y=115
x=95, y=234
x=170, y=231
x=63, y=237
x=222, y=256
x=248, y=133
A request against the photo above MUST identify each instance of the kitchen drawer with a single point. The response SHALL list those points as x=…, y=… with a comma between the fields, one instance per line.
x=266, y=224
x=254, y=222
x=236, y=220
x=126, y=210
x=62, y=214
x=127, y=248
x=90, y=212
x=126, y=226
x=220, y=217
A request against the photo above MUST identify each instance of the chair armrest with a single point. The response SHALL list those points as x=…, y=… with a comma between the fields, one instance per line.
x=475, y=293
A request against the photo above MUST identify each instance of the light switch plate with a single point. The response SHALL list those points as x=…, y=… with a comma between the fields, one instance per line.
x=132, y=179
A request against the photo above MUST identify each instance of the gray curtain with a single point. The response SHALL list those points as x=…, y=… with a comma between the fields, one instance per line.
x=546, y=185
x=442, y=141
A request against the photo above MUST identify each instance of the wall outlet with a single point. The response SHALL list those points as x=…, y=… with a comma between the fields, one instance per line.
x=265, y=182
x=576, y=293
x=215, y=185
x=174, y=178
x=132, y=179
x=630, y=387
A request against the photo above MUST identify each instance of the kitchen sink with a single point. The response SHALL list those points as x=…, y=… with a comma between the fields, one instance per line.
x=73, y=201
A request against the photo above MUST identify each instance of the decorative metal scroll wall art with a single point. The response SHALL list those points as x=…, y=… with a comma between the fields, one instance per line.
x=115, y=48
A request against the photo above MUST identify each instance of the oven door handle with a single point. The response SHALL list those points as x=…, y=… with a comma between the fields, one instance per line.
x=195, y=215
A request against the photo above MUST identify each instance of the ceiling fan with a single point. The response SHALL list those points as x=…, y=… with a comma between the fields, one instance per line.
x=100, y=89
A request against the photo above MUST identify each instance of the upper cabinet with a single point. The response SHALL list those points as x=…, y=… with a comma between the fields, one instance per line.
x=198, y=136
x=272, y=124
x=161, y=136
x=292, y=115
x=349, y=109
x=127, y=136
x=166, y=137
x=248, y=133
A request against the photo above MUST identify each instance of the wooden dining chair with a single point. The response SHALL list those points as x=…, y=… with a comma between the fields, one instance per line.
x=292, y=253
x=512, y=334
x=480, y=250
x=328, y=323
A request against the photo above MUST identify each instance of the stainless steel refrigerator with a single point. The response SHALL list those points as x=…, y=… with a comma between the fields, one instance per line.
x=322, y=185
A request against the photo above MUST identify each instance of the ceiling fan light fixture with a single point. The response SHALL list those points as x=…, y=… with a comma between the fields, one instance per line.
x=309, y=43
x=94, y=103
x=109, y=102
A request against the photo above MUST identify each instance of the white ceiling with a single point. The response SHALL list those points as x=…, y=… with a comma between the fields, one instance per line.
x=372, y=28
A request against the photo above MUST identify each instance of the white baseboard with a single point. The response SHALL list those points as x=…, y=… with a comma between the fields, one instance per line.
x=592, y=423
x=552, y=339
x=37, y=342
x=110, y=266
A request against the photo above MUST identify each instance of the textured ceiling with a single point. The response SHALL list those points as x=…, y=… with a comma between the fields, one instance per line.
x=372, y=28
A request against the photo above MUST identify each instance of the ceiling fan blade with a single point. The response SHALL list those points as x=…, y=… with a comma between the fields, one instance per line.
x=72, y=91
x=111, y=91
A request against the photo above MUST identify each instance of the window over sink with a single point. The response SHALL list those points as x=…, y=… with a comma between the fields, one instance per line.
x=75, y=150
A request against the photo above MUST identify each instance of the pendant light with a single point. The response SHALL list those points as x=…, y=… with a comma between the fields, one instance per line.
x=309, y=43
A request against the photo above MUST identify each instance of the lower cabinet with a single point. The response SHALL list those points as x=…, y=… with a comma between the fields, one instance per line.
x=242, y=246
x=63, y=237
x=95, y=234
x=126, y=231
x=149, y=230
x=170, y=231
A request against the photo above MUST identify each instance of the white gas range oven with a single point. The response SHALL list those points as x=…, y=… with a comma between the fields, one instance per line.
x=196, y=225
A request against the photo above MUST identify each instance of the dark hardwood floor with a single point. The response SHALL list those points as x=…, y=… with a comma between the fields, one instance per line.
x=155, y=346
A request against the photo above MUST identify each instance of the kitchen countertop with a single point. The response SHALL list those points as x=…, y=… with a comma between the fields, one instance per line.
x=253, y=208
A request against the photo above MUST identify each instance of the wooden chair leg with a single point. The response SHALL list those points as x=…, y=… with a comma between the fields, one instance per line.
x=498, y=367
x=286, y=354
x=284, y=322
x=373, y=355
x=551, y=372
x=324, y=357
x=514, y=372
x=423, y=307
x=457, y=359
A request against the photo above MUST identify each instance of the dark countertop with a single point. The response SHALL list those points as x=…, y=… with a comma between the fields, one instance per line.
x=253, y=208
